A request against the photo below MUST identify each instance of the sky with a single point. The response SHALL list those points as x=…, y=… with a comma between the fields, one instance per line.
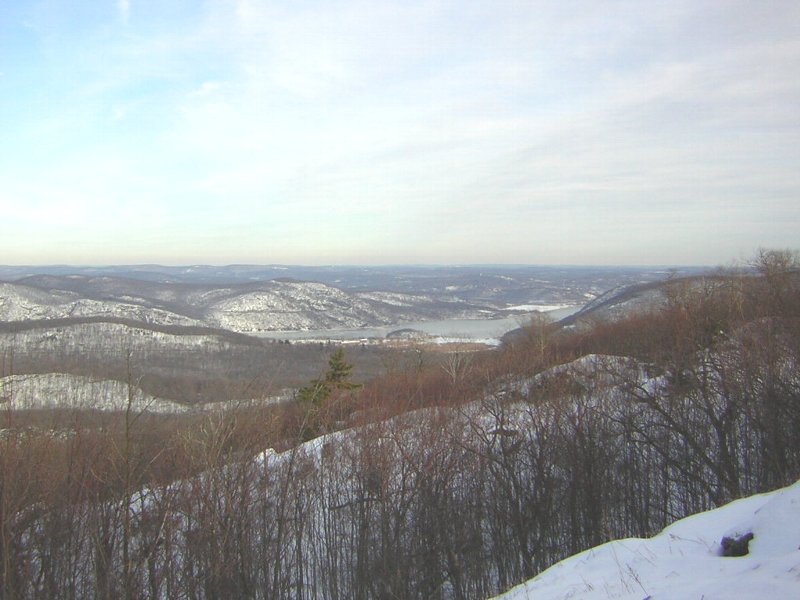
x=409, y=132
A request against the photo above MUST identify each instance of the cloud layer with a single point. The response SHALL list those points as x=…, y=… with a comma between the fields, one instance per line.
x=386, y=132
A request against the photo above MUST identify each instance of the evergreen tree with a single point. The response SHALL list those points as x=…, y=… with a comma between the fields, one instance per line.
x=337, y=378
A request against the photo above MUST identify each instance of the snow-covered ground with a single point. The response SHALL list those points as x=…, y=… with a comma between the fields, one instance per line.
x=685, y=560
x=62, y=390
x=22, y=303
x=271, y=306
x=77, y=392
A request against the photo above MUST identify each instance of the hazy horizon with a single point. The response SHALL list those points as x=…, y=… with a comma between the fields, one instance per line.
x=398, y=133
x=452, y=265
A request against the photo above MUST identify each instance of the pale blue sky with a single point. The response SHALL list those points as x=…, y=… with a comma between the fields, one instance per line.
x=376, y=132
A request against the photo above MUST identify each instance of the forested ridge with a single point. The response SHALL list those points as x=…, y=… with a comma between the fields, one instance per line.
x=447, y=479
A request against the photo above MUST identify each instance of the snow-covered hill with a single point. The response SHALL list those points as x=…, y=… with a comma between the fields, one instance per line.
x=293, y=305
x=618, y=302
x=251, y=299
x=408, y=499
x=62, y=390
x=277, y=305
x=106, y=338
x=24, y=303
x=685, y=560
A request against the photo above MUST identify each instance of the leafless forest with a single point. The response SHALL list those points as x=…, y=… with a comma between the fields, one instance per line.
x=447, y=478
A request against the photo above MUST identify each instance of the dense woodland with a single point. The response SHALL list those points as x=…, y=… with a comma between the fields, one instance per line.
x=453, y=478
x=190, y=365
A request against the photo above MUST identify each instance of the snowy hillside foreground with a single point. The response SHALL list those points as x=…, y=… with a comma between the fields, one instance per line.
x=685, y=560
x=383, y=504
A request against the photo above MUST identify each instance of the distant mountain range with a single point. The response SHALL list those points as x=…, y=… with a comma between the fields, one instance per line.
x=189, y=333
x=275, y=305
x=249, y=299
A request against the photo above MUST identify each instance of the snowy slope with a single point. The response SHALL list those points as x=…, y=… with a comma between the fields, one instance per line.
x=277, y=305
x=684, y=560
x=107, y=338
x=22, y=303
x=62, y=390
x=294, y=306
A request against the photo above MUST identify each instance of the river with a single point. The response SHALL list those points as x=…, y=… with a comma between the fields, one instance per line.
x=478, y=330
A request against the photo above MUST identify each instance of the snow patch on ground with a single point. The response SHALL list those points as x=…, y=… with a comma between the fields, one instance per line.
x=684, y=560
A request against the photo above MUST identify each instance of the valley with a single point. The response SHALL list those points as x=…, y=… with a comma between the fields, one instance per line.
x=207, y=335
x=143, y=431
x=388, y=300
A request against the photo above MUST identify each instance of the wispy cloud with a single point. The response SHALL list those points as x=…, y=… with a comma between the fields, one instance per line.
x=124, y=7
x=457, y=130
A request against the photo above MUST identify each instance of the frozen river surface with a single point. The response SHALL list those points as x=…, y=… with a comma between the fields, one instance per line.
x=478, y=330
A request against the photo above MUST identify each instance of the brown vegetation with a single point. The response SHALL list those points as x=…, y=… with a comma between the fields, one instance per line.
x=451, y=477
